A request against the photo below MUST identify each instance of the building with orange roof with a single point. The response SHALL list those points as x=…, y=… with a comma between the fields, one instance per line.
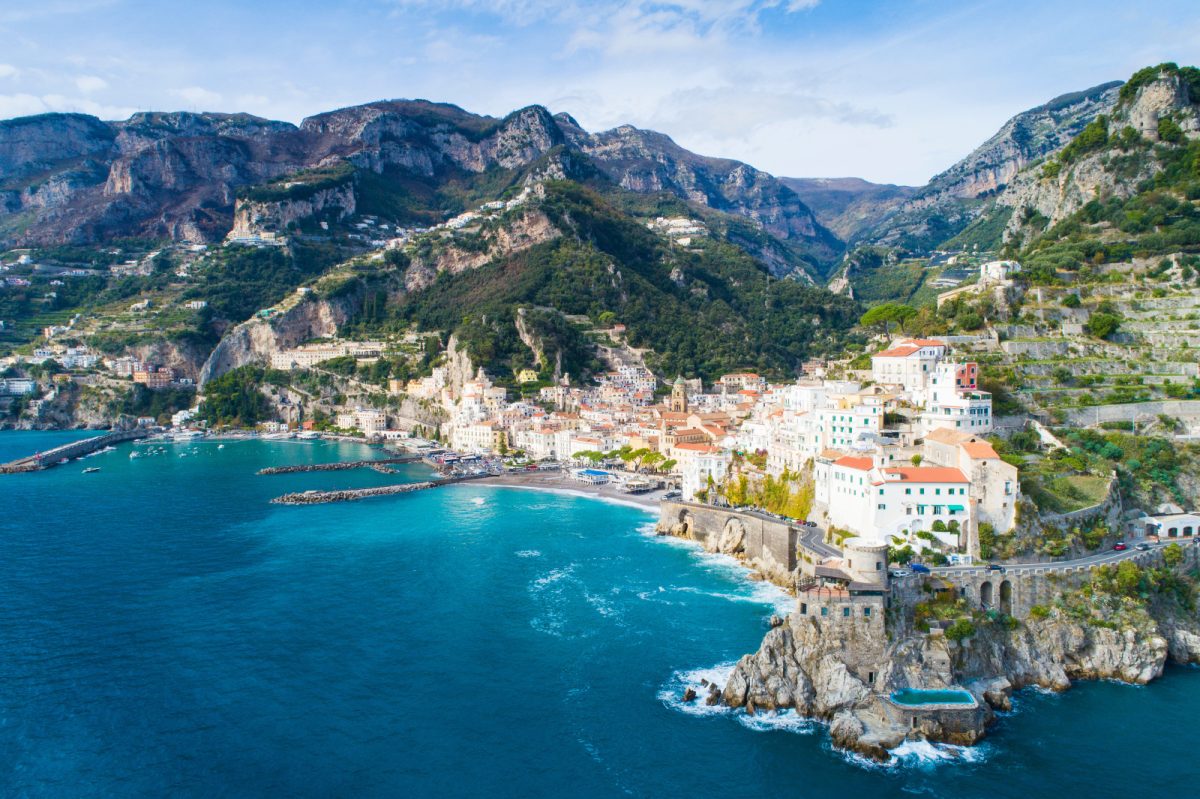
x=995, y=484
x=881, y=503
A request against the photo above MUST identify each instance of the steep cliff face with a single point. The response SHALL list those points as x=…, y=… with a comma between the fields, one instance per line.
x=256, y=217
x=522, y=231
x=254, y=341
x=1115, y=167
x=814, y=666
x=75, y=178
x=646, y=162
x=952, y=199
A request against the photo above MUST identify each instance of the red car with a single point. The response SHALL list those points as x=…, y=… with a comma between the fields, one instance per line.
x=1120, y=546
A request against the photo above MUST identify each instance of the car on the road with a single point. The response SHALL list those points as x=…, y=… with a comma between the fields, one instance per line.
x=1143, y=547
x=996, y=567
x=897, y=573
x=1120, y=546
x=919, y=568
x=672, y=495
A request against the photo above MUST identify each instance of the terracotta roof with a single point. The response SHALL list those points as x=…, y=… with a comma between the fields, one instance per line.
x=903, y=351
x=925, y=342
x=702, y=448
x=851, y=462
x=979, y=450
x=928, y=474
x=831, y=454
x=948, y=435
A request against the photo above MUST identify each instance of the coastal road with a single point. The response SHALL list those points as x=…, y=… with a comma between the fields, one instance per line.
x=1087, y=561
x=811, y=538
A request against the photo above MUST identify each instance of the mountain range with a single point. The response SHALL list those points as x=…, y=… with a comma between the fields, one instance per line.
x=72, y=178
x=523, y=236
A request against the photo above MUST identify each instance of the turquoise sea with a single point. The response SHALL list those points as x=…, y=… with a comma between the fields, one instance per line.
x=164, y=631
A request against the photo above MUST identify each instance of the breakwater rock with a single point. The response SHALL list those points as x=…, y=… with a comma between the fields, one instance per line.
x=351, y=494
x=377, y=465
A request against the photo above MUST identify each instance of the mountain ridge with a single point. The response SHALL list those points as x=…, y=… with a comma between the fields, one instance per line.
x=72, y=178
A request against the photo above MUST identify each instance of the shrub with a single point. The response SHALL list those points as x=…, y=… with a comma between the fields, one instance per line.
x=960, y=630
x=1039, y=612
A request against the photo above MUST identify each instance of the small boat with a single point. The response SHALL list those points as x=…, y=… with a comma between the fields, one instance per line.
x=91, y=469
x=133, y=455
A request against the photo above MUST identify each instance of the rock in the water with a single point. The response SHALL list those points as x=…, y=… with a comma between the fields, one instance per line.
x=689, y=695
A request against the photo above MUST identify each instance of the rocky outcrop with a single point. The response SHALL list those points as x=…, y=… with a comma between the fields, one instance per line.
x=256, y=217
x=952, y=199
x=815, y=666
x=527, y=229
x=254, y=341
x=1053, y=196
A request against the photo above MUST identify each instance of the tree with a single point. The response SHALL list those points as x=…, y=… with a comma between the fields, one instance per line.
x=1102, y=325
x=886, y=314
x=1173, y=555
x=1071, y=301
x=916, y=459
x=1129, y=577
x=1169, y=130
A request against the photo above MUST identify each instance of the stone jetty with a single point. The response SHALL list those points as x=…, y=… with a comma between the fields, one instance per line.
x=377, y=465
x=351, y=494
x=75, y=449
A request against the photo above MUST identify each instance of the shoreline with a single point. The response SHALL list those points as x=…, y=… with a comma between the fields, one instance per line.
x=558, y=483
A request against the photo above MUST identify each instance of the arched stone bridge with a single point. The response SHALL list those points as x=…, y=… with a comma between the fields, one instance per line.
x=1020, y=586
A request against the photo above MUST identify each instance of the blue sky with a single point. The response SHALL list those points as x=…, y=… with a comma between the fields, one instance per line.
x=892, y=91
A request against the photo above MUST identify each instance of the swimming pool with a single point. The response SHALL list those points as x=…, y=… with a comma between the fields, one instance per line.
x=916, y=697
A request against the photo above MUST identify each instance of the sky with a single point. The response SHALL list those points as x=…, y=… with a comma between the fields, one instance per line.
x=889, y=90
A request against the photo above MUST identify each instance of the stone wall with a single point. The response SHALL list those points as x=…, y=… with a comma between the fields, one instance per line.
x=1128, y=412
x=765, y=544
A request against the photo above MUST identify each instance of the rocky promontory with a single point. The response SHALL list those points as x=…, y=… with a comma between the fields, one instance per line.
x=843, y=671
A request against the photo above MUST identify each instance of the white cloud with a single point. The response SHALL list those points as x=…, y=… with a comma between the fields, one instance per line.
x=90, y=83
x=199, y=96
x=20, y=105
x=8, y=71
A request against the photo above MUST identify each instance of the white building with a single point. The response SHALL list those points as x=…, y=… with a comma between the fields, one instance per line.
x=700, y=464
x=908, y=363
x=369, y=420
x=881, y=503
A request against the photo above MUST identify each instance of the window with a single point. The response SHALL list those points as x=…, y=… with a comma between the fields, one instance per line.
x=908, y=491
x=803, y=608
x=881, y=506
x=867, y=611
x=845, y=613
x=824, y=611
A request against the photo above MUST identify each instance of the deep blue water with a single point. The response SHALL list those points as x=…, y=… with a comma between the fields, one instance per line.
x=164, y=631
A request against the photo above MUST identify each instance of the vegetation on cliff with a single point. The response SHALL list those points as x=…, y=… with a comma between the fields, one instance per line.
x=703, y=310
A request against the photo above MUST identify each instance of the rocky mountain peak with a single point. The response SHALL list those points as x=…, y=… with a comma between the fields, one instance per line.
x=1156, y=93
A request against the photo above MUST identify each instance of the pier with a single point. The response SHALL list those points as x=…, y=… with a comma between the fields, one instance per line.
x=351, y=494
x=76, y=449
x=377, y=465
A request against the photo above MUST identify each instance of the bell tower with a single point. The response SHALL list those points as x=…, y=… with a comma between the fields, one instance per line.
x=679, y=402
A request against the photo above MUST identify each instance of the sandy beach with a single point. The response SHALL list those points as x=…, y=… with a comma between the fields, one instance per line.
x=560, y=483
